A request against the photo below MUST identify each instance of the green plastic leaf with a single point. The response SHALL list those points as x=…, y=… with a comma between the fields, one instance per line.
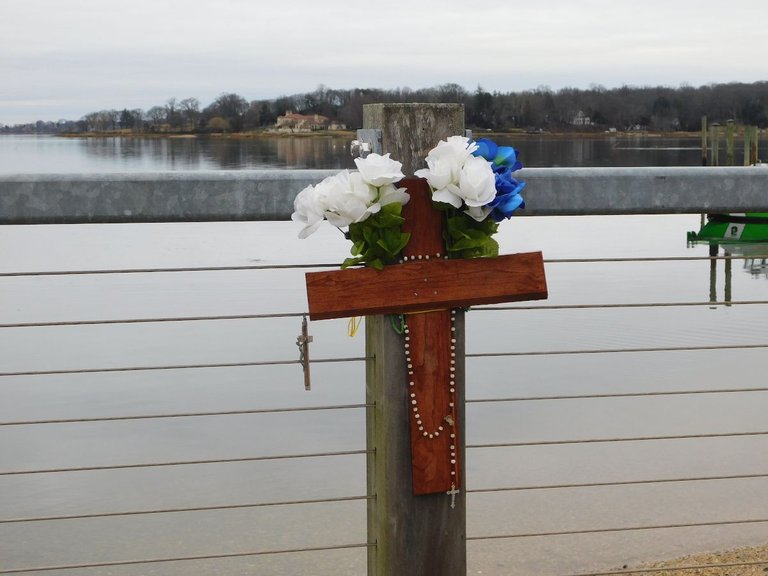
x=377, y=240
x=351, y=262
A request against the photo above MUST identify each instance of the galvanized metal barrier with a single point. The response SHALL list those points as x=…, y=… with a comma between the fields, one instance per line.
x=268, y=195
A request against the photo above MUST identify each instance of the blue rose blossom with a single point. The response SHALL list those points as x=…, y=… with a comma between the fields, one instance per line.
x=486, y=149
x=504, y=162
x=507, y=156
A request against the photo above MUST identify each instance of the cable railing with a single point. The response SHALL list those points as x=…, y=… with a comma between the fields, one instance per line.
x=54, y=424
x=305, y=266
x=7, y=521
x=184, y=463
x=145, y=561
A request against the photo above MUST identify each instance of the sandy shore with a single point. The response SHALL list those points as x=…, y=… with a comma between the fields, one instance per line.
x=756, y=558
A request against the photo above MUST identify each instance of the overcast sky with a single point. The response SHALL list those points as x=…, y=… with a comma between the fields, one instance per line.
x=65, y=58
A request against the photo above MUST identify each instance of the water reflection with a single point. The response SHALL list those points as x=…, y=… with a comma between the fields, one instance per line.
x=146, y=153
x=332, y=152
x=754, y=263
x=30, y=154
x=322, y=152
x=550, y=151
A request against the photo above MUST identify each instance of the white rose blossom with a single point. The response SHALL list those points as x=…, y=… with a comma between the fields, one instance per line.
x=477, y=182
x=444, y=164
x=309, y=210
x=458, y=178
x=350, y=197
x=379, y=170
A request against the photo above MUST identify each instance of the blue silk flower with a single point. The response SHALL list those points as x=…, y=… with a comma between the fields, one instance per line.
x=504, y=162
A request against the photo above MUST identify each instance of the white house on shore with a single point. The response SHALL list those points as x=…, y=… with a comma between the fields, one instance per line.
x=293, y=122
x=581, y=119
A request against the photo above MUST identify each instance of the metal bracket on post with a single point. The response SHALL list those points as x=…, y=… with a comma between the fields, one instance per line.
x=368, y=141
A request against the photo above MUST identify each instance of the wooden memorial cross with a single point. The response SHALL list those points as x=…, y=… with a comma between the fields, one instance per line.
x=427, y=288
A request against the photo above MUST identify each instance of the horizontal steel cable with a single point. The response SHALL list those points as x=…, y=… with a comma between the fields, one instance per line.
x=153, y=320
x=186, y=462
x=617, y=350
x=189, y=509
x=616, y=529
x=612, y=306
x=357, y=498
x=648, y=259
x=354, y=406
x=363, y=358
x=180, y=367
x=182, y=558
x=357, y=406
x=670, y=569
x=616, y=483
x=355, y=452
x=613, y=395
x=300, y=314
x=168, y=270
x=611, y=440
x=185, y=415
x=337, y=265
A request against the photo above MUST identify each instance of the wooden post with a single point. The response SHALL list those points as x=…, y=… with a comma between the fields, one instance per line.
x=714, y=159
x=730, y=131
x=753, y=156
x=413, y=535
x=747, y=145
x=713, y=251
x=703, y=140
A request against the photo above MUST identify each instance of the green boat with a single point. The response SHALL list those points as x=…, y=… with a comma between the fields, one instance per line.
x=750, y=227
x=741, y=236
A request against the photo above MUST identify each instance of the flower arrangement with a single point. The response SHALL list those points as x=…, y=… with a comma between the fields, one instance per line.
x=367, y=202
x=473, y=183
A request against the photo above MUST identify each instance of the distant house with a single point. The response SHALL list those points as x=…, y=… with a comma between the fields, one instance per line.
x=581, y=119
x=293, y=122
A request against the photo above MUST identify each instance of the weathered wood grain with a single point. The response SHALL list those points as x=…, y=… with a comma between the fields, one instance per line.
x=423, y=285
x=414, y=535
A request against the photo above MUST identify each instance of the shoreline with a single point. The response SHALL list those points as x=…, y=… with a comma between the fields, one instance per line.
x=352, y=134
x=744, y=561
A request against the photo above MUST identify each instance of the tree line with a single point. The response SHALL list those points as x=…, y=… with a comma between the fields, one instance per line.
x=596, y=108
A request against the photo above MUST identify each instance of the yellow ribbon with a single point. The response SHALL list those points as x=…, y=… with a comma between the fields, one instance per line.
x=425, y=311
x=353, y=325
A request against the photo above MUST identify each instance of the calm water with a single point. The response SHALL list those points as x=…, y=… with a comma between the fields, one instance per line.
x=32, y=154
x=62, y=298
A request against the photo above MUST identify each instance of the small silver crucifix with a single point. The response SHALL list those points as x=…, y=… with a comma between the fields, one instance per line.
x=303, y=343
x=452, y=493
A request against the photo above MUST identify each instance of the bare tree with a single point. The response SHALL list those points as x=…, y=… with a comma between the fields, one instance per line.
x=190, y=113
x=156, y=116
